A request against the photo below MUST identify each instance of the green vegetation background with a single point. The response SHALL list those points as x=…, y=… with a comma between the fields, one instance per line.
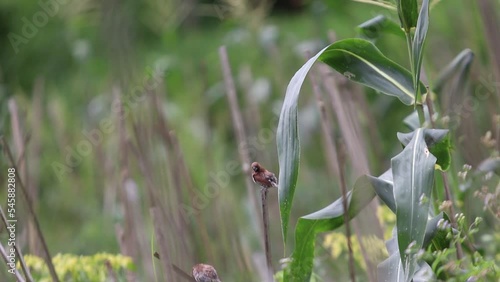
x=89, y=47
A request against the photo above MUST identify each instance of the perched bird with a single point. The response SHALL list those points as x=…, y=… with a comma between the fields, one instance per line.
x=205, y=273
x=263, y=177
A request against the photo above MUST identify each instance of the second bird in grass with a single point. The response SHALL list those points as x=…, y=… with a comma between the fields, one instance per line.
x=205, y=273
x=263, y=177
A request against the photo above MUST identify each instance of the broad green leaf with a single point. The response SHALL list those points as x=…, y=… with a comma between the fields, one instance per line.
x=418, y=43
x=288, y=144
x=373, y=28
x=391, y=269
x=357, y=59
x=413, y=174
x=438, y=142
x=326, y=219
x=360, y=61
x=408, y=13
x=460, y=66
x=383, y=186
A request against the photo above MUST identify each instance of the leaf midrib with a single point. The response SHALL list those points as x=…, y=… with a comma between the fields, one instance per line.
x=383, y=74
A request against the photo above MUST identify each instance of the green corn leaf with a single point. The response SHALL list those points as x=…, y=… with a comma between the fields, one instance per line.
x=413, y=174
x=326, y=219
x=373, y=28
x=360, y=61
x=438, y=142
x=408, y=13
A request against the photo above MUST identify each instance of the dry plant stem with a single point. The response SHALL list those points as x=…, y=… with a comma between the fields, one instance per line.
x=265, y=221
x=31, y=212
x=156, y=216
x=6, y=259
x=238, y=128
x=182, y=273
x=366, y=222
x=331, y=153
x=20, y=256
x=20, y=146
x=130, y=237
x=343, y=187
x=179, y=170
x=489, y=16
x=24, y=267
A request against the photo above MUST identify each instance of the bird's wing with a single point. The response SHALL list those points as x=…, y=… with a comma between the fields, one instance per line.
x=272, y=178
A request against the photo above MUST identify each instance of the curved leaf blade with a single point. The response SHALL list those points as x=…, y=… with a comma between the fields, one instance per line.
x=413, y=173
x=459, y=66
x=288, y=143
x=360, y=61
x=326, y=219
x=419, y=42
x=373, y=28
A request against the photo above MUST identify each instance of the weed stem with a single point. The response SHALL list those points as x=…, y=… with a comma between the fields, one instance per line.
x=265, y=220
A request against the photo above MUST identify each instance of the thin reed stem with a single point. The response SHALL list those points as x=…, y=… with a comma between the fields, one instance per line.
x=343, y=188
x=265, y=221
x=31, y=212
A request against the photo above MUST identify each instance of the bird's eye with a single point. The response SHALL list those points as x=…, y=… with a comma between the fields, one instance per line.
x=255, y=168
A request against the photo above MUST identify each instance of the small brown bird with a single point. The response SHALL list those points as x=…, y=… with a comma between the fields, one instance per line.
x=263, y=177
x=205, y=273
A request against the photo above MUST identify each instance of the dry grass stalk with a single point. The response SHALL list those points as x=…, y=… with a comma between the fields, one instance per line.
x=35, y=151
x=6, y=259
x=128, y=237
x=161, y=239
x=239, y=131
x=32, y=214
x=366, y=221
x=20, y=256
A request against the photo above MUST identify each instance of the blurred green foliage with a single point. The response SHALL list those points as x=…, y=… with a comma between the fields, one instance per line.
x=75, y=268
